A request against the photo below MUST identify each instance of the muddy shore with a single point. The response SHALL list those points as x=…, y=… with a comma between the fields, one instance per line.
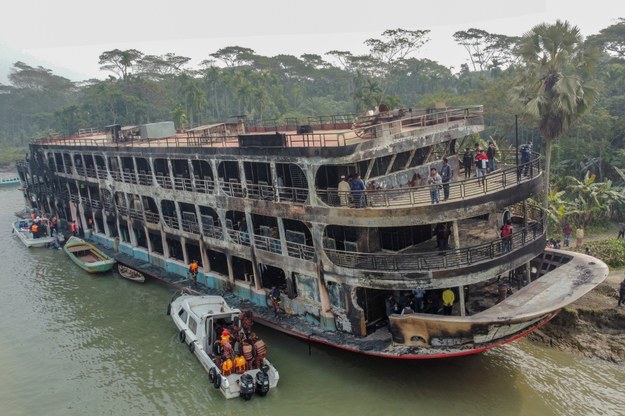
x=593, y=326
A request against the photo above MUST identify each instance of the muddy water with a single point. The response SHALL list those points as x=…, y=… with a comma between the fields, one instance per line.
x=75, y=344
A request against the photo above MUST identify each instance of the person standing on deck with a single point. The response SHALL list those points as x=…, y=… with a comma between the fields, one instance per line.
x=74, y=228
x=490, y=152
x=446, y=174
x=621, y=230
x=358, y=191
x=435, y=181
x=448, y=301
x=274, y=296
x=467, y=162
x=344, y=192
x=193, y=271
x=481, y=166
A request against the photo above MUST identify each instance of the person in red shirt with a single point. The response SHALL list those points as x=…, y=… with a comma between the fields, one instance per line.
x=481, y=164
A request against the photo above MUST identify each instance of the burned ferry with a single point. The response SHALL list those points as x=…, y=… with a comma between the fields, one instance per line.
x=260, y=206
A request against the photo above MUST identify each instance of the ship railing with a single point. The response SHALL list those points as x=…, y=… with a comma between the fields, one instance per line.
x=80, y=171
x=74, y=198
x=260, y=191
x=239, y=237
x=233, y=188
x=116, y=176
x=270, y=244
x=206, y=186
x=164, y=181
x=171, y=222
x=300, y=251
x=102, y=172
x=122, y=211
x=95, y=204
x=316, y=140
x=135, y=214
x=68, y=170
x=183, y=184
x=88, y=132
x=464, y=189
x=151, y=217
x=108, y=206
x=439, y=260
x=190, y=226
x=213, y=232
x=144, y=178
x=128, y=176
x=85, y=201
x=90, y=172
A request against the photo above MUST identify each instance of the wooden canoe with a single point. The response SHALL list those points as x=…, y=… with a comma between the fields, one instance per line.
x=87, y=256
x=130, y=274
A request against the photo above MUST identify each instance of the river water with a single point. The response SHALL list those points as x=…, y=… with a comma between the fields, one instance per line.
x=76, y=344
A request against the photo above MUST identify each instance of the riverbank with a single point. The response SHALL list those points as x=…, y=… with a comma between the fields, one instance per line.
x=593, y=326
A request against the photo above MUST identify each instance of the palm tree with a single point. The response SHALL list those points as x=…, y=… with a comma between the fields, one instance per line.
x=557, y=85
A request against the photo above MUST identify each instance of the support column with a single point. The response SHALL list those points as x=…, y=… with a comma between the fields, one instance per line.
x=460, y=288
x=185, y=255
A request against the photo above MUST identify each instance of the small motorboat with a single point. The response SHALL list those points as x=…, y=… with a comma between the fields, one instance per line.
x=130, y=274
x=87, y=256
x=206, y=324
x=31, y=236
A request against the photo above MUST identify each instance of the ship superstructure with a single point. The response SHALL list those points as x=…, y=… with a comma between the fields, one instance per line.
x=259, y=206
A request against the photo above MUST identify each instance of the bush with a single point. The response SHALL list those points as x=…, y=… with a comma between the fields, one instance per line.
x=611, y=251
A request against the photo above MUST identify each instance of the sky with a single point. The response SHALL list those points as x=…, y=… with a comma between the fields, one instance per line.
x=73, y=33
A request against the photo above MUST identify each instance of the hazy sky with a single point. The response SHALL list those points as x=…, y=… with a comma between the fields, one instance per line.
x=73, y=33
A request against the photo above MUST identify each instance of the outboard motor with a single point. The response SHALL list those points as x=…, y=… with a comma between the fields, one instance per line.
x=262, y=383
x=246, y=386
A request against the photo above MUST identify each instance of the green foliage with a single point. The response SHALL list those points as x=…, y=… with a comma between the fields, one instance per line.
x=610, y=251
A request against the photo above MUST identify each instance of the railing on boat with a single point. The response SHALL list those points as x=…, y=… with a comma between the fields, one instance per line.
x=464, y=189
x=318, y=138
x=439, y=260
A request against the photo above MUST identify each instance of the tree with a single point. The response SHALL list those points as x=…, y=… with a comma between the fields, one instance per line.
x=592, y=199
x=120, y=62
x=486, y=50
x=611, y=39
x=556, y=86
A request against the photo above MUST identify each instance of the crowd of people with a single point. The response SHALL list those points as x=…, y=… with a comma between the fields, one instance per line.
x=237, y=348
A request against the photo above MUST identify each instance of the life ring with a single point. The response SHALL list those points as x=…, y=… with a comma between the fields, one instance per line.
x=182, y=336
x=212, y=374
x=169, y=308
x=192, y=347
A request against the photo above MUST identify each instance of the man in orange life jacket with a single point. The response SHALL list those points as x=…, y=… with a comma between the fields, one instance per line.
x=193, y=270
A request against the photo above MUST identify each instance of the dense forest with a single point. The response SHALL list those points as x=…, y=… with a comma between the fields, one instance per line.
x=551, y=87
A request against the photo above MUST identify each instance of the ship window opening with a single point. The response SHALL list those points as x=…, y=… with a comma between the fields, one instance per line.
x=161, y=167
x=218, y=262
x=180, y=168
x=194, y=252
x=372, y=303
x=175, y=249
x=140, y=235
x=255, y=172
x=242, y=270
x=400, y=238
x=88, y=161
x=113, y=164
x=228, y=170
x=341, y=235
x=192, y=325
x=401, y=161
x=307, y=286
x=421, y=155
x=125, y=233
x=112, y=222
x=380, y=166
x=99, y=222
x=59, y=162
x=335, y=294
x=202, y=170
x=67, y=161
x=271, y=276
x=156, y=242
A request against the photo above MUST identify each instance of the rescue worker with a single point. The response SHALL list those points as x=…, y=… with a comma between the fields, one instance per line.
x=194, y=267
x=448, y=301
x=274, y=295
x=259, y=350
x=247, y=320
x=34, y=228
x=226, y=367
x=239, y=364
x=248, y=354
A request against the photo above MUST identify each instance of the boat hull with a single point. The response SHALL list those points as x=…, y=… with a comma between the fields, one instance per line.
x=130, y=274
x=26, y=237
x=87, y=256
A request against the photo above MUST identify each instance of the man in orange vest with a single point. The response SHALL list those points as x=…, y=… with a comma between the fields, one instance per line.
x=193, y=270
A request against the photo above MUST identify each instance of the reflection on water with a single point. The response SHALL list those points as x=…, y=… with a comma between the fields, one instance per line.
x=76, y=344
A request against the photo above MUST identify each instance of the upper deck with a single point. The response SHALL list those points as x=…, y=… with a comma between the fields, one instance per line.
x=326, y=132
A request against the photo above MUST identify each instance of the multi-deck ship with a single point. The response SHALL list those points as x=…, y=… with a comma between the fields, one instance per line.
x=259, y=206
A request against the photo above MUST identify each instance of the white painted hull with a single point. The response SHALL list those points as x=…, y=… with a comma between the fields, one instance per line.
x=27, y=237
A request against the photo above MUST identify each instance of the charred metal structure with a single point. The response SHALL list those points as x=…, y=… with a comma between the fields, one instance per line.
x=258, y=206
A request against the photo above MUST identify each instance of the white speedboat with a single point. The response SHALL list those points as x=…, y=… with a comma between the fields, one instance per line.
x=42, y=238
x=200, y=319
